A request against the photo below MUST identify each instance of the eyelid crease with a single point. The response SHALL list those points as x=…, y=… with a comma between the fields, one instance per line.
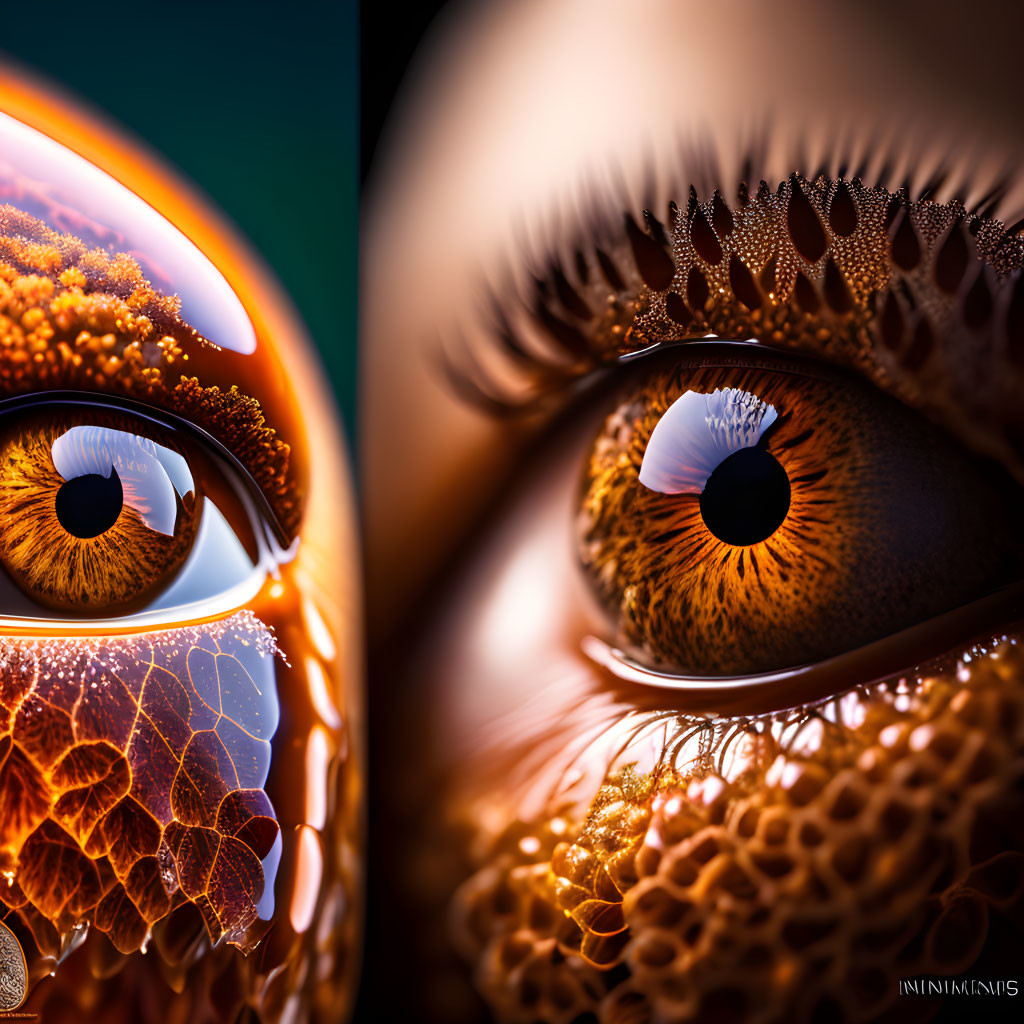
x=926, y=299
x=746, y=354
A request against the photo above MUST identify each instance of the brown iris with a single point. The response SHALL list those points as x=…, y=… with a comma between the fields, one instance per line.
x=747, y=518
x=99, y=510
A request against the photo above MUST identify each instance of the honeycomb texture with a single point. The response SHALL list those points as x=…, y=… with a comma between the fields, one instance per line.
x=175, y=832
x=799, y=888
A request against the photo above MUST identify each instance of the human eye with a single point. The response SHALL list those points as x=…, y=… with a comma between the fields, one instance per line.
x=178, y=826
x=679, y=790
x=856, y=520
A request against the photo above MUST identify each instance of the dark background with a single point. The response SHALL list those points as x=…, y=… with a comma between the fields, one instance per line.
x=388, y=45
x=256, y=102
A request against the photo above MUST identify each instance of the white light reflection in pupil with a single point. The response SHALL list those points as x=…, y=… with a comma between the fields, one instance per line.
x=151, y=476
x=709, y=445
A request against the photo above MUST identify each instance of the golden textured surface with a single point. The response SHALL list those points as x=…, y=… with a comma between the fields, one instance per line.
x=13, y=971
x=137, y=824
x=81, y=319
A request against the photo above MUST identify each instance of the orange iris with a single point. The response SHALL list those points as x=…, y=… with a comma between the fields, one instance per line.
x=99, y=509
x=749, y=517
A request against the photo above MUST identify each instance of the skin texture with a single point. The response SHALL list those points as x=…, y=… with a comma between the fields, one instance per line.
x=181, y=788
x=601, y=847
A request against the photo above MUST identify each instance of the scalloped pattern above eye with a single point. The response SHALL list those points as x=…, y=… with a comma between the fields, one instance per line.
x=131, y=781
x=917, y=293
x=811, y=266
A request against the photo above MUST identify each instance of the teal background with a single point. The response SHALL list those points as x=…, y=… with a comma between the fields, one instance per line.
x=257, y=103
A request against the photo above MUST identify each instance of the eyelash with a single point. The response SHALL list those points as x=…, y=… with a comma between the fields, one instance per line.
x=546, y=342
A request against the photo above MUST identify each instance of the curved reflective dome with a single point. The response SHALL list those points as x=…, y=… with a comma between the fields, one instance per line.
x=179, y=744
x=72, y=196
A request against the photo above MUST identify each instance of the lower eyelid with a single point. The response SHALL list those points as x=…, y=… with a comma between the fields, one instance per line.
x=914, y=651
x=181, y=792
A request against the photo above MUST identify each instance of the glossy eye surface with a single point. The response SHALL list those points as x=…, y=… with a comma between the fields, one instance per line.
x=93, y=516
x=739, y=520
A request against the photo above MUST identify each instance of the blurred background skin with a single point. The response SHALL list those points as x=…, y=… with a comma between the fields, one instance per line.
x=503, y=112
x=256, y=103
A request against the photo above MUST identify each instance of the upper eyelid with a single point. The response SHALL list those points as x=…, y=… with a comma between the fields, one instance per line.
x=941, y=291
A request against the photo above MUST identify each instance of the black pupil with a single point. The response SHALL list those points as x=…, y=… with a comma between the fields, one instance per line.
x=746, y=498
x=89, y=505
